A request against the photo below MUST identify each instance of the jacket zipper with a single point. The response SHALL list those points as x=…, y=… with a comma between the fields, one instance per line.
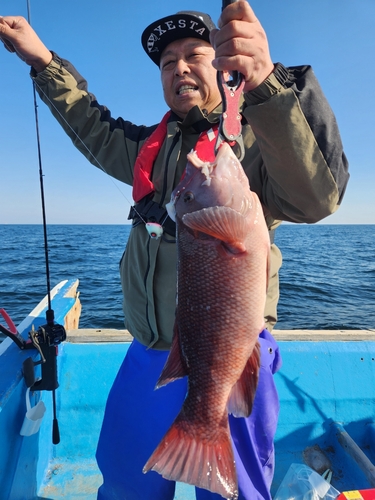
x=153, y=335
x=164, y=192
x=176, y=138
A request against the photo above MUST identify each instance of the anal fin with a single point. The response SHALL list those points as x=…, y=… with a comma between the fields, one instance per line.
x=175, y=366
x=241, y=398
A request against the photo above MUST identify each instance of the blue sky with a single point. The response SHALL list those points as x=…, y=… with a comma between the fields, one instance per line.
x=102, y=39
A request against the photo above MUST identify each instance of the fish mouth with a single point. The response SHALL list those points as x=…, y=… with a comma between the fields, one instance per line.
x=186, y=89
x=171, y=209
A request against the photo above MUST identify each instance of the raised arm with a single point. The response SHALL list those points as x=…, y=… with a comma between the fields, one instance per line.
x=108, y=143
x=19, y=37
x=297, y=165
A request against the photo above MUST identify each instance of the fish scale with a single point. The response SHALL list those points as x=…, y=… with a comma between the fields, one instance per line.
x=212, y=322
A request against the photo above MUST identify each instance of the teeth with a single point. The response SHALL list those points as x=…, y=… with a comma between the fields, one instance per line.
x=186, y=89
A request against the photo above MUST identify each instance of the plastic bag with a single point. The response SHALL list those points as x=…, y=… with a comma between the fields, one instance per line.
x=303, y=483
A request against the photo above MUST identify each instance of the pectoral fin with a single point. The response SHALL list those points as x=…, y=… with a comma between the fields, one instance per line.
x=222, y=223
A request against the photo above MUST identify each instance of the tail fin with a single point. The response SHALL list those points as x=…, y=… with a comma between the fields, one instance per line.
x=208, y=465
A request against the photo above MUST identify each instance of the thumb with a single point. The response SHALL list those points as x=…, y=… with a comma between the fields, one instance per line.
x=4, y=29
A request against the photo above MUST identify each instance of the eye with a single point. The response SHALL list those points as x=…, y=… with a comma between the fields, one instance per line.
x=194, y=54
x=167, y=64
x=188, y=197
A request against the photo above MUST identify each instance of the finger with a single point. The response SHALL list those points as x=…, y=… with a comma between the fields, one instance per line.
x=10, y=25
x=240, y=11
x=248, y=68
x=233, y=63
x=3, y=29
x=239, y=64
x=3, y=25
x=213, y=34
x=235, y=34
x=7, y=45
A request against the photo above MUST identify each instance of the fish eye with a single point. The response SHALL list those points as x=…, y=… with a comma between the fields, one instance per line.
x=188, y=197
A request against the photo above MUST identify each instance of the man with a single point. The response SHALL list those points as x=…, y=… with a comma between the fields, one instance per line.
x=295, y=163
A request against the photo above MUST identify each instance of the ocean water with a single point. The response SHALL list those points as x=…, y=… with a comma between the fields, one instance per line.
x=327, y=280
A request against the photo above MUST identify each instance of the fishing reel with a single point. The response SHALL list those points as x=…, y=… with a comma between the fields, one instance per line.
x=51, y=334
x=46, y=340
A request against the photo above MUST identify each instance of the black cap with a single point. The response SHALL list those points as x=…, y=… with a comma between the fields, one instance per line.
x=184, y=24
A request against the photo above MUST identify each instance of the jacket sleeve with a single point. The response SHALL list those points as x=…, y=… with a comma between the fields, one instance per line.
x=299, y=168
x=108, y=143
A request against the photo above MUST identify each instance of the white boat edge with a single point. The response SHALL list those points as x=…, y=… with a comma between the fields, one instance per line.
x=28, y=321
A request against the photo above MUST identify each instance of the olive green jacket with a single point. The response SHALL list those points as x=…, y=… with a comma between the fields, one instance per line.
x=294, y=161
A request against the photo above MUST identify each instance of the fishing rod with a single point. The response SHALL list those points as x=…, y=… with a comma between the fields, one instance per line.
x=50, y=314
x=47, y=337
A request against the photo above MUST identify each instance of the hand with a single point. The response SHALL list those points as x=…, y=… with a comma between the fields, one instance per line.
x=241, y=45
x=18, y=36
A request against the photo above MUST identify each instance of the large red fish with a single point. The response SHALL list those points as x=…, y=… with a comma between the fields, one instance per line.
x=223, y=248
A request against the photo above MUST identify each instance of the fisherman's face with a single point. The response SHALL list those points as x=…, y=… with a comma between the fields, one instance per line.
x=188, y=77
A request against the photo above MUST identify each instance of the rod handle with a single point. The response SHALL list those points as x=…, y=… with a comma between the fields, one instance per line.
x=226, y=3
x=55, y=432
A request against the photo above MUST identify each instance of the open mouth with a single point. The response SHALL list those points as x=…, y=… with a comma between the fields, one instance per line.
x=186, y=89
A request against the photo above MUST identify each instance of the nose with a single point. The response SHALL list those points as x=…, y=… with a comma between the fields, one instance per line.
x=181, y=67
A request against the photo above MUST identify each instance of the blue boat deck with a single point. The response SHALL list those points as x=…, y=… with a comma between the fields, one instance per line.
x=327, y=410
x=81, y=480
x=72, y=472
x=321, y=409
x=77, y=480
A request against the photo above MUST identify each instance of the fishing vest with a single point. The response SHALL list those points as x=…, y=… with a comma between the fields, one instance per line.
x=145, y=209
